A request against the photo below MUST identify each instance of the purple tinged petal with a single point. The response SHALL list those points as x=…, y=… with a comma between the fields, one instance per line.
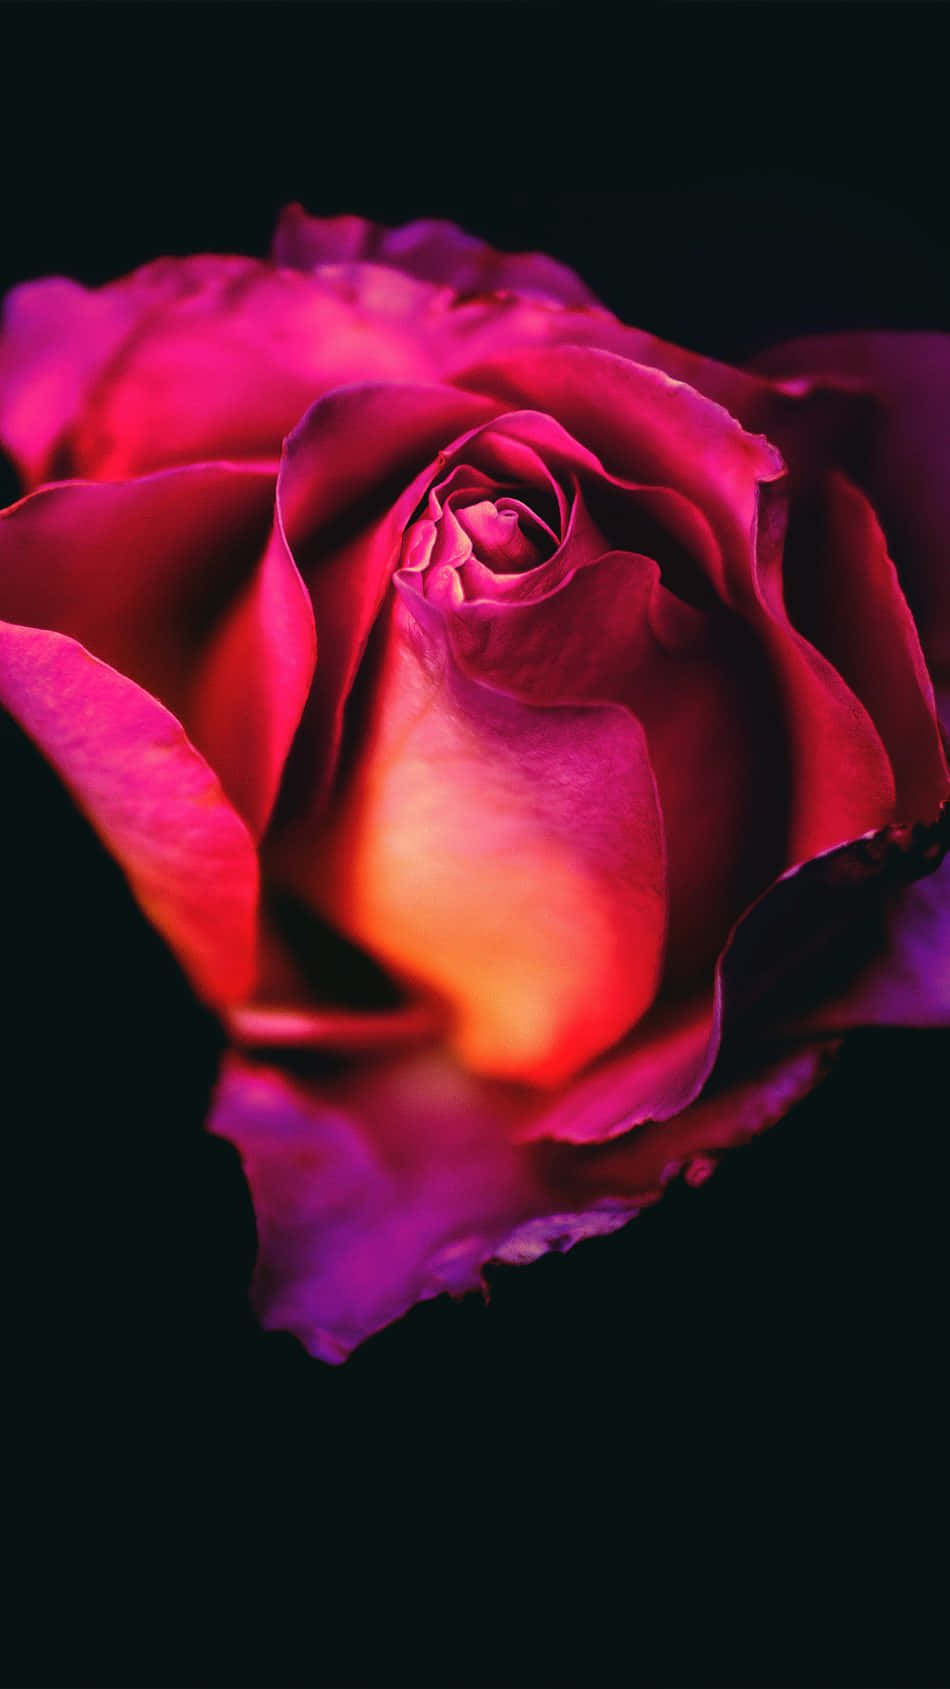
x=399, y=1181
x=430, y=249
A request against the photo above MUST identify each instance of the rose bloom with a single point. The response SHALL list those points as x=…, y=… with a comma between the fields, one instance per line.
x=523, y=731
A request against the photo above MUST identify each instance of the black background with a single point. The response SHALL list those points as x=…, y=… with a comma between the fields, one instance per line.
x=707, y=1450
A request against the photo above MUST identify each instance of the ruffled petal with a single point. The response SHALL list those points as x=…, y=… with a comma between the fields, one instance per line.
x=893, y=964
x=604, y=1186
x=150, y=796
x=170, y=580
x=395, y=1182
x=430, y=248
x=371, y=1192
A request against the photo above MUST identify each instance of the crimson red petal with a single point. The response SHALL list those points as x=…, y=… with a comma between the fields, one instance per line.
x=844, y=594
x=349, y=480
x=905, y=471
x=170, y=580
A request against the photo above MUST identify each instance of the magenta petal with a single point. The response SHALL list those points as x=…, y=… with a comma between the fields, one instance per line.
x=844, y=594
x=58, y=353
x=398, y=1181
x=249, y=695
x=169, y=579
x=644, y=426
x=346, y=489
x=388, y=1186
x=907, y=471
x=57, y=339
x=431, y=249
x=853, y=931
x=198, y=358
x=152, y=799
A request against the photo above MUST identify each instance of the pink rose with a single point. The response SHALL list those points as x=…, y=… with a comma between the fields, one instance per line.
x=515, y=725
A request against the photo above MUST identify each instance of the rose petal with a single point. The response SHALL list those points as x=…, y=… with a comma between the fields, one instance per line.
x=906, y=472
x=170, y=581
x=348, y=483
x=265, y=1026
x=700, y=689
x=645, y=426
x=794, y=962
x=190, y=359
x=398, y=1181
x=391, y=1184
x=149, y=795
x=843, y=593
x=652, y=1075
x=433, y=250
x=509, y=857
x=901, y=976
x=57, y=338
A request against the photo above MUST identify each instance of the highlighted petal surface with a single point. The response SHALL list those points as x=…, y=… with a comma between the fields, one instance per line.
x=509, y=857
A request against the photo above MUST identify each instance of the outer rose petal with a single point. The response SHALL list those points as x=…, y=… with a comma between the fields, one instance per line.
x=509, y=857
x=843, y=593
x=169, y=580
x=195, y=358
x=395, y=1182
x=151, y=798
x=432, y=250
x=907, y=472
x=58, y=339
x=812, y=937
x=906, y=979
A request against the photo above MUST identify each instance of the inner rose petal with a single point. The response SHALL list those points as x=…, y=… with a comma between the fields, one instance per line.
x=508, y=858
x=501, y=534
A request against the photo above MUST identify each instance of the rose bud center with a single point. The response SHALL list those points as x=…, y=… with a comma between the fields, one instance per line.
x=474, y=534
x=507, y=537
